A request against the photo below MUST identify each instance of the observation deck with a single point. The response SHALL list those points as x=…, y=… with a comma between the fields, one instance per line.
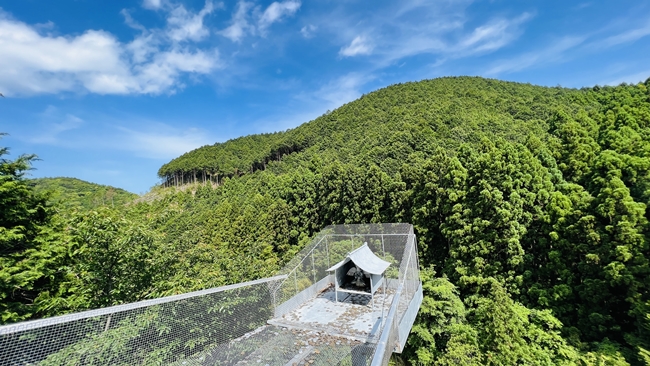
x=294, y=318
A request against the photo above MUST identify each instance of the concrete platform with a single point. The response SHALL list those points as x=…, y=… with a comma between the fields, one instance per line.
x=276, y=346
x=354, y=316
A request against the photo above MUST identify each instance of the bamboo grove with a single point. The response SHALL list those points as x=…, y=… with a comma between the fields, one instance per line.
x=530, y=205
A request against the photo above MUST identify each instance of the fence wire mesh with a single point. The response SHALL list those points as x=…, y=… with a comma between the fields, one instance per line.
x=161, y=331
x=284, y=320
x=307, y=278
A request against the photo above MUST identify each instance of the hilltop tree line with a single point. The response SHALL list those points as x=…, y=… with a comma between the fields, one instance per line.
x=530, y=206
x=385, y=127
x=226, y=160
x=72, y=192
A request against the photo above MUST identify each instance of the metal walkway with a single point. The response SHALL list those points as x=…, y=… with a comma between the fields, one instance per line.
x=289, y=319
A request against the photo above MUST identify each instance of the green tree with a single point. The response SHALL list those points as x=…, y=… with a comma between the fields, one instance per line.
x=22, y=211
x=441, y=312
x=24, y=215
x=112, y=259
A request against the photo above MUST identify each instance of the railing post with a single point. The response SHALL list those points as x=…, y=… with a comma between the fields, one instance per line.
x=108, y=322
x=382, y=345
x=313, y=266
x=327, y=248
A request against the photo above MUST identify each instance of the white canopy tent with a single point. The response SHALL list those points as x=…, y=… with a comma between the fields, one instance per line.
x=361, y=264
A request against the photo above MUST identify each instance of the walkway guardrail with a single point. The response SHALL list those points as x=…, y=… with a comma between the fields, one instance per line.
x=233, y=324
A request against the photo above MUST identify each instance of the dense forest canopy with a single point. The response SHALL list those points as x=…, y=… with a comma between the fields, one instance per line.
x=73, y=193
x=530, y=205
x=386, y=126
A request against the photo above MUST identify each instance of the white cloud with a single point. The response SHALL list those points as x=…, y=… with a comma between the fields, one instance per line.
x=309, y=105
x=162, y=143
x=185, y=25
x=308, y=30
x=51, y=129
x=413, y=27
x=163, y=71
x=142, y=137
x=342, y=90
x=448, y=38
x=128, y=19
x=358, y=46
x=573, y=46
x=626, y=37
x=32, y=63
x=276, y=11
x=143, y=47
x=632, y=78
x=553, y=53
x=249, y=19
x=97, y=62
x=492, y=36
x=152, y=4
x=239, y=24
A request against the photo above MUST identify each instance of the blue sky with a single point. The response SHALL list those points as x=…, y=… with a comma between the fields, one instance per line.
x=108, y=91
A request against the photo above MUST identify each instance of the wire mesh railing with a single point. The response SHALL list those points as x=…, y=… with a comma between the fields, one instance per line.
x=307, y=276
x=232, y=325
x=159, y=331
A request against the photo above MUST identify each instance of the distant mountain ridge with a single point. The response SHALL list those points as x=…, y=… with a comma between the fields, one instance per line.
x=405, y=117
x=77, y=193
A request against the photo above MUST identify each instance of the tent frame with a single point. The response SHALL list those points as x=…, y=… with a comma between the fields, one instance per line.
x=367, y=261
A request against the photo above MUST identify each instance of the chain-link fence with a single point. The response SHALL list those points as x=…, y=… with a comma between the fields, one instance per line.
x=233, y=325
x=307, y=277
x=160, y=331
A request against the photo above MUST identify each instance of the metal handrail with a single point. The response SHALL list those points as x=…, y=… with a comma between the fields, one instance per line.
x=35, y=324
x=378, y=357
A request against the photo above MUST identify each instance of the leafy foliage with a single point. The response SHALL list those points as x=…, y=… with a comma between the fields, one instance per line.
x=73, y=193
x=531, y=203
x=24, y=216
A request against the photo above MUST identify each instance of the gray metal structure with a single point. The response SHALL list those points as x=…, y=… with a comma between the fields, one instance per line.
x=273, y=321
x=359, y=264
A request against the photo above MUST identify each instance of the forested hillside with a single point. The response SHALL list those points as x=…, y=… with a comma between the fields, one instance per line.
x=530, y=206
x=76, y=193
x=386, y=126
